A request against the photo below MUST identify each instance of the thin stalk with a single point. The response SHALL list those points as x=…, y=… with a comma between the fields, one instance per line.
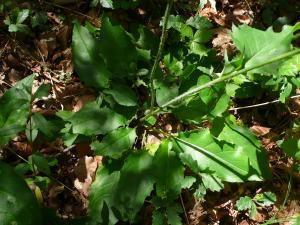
x=196, y=89
x=51, y=177
x=163, y=38
x=261, y=104
x=289, y=187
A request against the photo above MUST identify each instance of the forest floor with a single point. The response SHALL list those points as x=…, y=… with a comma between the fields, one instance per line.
x=48, y=53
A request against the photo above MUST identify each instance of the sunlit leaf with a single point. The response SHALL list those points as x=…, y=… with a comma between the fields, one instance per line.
x=115, y=143
x=87, y=61
x=92, y=120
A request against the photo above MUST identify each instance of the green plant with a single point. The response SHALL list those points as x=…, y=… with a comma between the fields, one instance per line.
x=250, y=204
x=17, y=19
x=190, y=86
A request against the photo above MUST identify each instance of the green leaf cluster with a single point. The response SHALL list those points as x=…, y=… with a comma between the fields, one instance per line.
x=263, y=199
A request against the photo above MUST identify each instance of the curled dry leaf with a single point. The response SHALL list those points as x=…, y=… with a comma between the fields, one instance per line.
x=85, y=172
x=81, y=101
x=260, y=130
x=223, y=41
x=217, y=16
x=242, y=16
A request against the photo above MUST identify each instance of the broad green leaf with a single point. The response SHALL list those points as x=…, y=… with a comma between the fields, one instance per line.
x=165, y=92
x=107, y=3
x=246, y=203
x=250, y=147
x=22, y=16
x=8, y=132
x=290, y=67
x=231, y=89
x=101, y=197
x=117, y=49
x=14, y=109
x=135, y=184
x=192, y=111
x=47, y=128
x=87, y=60
x=201, y=23
x=173, y=214
x=42, y=91
x=210, y=102
x=38, y=160
x=158, y=217
x=168, y=171
x=177, y=23
x=265, y=199
x=198, y=49
x=295, y=220
x=212, y=182
x=200, y=148
x=121, y=193
x=188, y=182
x=286, y=91
x=65, y=115
x=31, y=133
x=291, y=147
x=16, y=200
x=122, y=94
x=221, y=105
x=202, y=37
x=115, y=143
x=93, y=120
x=258, y=46
x=173, y=65
x=147, y=39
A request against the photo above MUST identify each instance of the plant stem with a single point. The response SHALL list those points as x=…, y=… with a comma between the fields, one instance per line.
x=196, y=89
x=51, y=177
x=163, y=38
x=261, y=104
x=289, y=187
x=226, y=77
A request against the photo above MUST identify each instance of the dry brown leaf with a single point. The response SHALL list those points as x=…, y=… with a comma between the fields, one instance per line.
x=14, y=76
x=85, y=172
x=223, y=41
x=63, y=36
x=80, y=101
x=242, y=16
x=12, y=61
x=260, y=130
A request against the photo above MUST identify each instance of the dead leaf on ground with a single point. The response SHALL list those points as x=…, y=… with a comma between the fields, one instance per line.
x=223, y=41
x=85, y=172
x=80, y=101
x=242, y=16
x=260, y=130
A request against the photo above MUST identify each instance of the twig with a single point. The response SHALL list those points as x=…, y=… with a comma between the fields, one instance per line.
x=289, y=187
x=159, y=51
x=184, y=210
x=261, y=104
x=51, y=177
x=70, y=10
